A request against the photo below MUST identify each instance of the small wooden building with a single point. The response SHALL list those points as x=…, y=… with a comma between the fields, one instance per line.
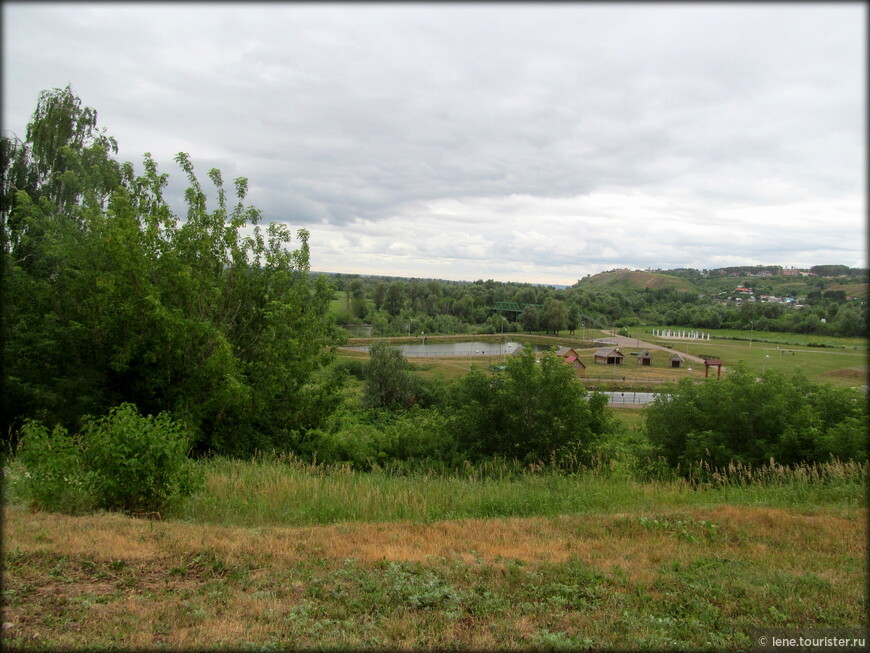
x=677, y=360
x=564, y=352
x=644, y=358
x=606, y=356
x=576, y=363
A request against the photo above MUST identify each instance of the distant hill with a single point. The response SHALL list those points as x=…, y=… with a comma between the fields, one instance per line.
x=637, y=280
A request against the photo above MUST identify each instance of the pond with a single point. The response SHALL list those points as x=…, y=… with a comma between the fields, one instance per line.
x=474, y=348
x=630, y=397
x=359, y=330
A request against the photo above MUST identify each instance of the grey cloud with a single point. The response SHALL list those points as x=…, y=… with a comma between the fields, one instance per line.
x=354, y=116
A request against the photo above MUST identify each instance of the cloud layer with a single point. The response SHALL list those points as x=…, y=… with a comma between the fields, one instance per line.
x=521, y=142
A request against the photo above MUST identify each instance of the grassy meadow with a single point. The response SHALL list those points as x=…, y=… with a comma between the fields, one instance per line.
x=842, y=361
x=276, y=553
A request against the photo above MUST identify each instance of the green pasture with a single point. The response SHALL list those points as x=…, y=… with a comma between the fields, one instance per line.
x=283, y=491
x=842, y=361
x=338, y=305
x=772, y=337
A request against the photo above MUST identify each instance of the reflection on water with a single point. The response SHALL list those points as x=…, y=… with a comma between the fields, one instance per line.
x=630, y=397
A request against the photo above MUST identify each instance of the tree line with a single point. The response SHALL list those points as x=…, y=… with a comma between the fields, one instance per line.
x=397, y=307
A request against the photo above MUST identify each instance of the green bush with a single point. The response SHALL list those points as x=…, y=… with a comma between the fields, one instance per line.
x=138, y=463
x=354, y=367
x=122, y=461
x=388, y=382
x=378, y=437
x=53, y=476
x=746, y=420
x=531, y=411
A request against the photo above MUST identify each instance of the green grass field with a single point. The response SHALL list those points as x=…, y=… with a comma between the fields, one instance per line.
x=338, y=304
x=277, y=554
x=844, y=361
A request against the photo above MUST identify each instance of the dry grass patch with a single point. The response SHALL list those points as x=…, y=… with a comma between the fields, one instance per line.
x=108, y=580
x=853, y=373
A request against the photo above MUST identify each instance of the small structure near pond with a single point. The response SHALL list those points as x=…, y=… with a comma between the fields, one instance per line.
x=572, y=358
x=576, y=363
x=607, y=356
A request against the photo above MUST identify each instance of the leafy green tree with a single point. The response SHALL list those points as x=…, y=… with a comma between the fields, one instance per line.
x=379, y=294
x=848, y=322
x=110, y=298
x=395, y=298
x=529, y=319
x=388, y=381
x=555, y=315
x=573, y=320
x=741, y=419
x=530, y=411
x=357, y=295
x=463, y=307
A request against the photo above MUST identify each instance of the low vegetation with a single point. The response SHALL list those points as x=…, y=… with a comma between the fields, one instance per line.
x=281, y=554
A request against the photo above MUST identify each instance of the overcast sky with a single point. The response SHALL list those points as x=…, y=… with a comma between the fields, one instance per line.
x=537, y=142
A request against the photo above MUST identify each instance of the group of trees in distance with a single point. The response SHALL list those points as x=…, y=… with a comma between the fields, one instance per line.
x=396, y=306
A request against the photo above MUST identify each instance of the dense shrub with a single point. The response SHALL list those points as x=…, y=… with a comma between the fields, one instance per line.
x=138, y=463
x=388, y=382
x=374, y=437
x=122, y=461
x=530, y=411
x=354, y=367
x=54, y=477
x=743, y=419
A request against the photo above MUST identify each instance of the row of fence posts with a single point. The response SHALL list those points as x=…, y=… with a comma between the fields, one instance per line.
x=680, y=333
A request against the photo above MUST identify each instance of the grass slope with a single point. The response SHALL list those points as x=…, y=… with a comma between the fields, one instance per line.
x=694, y=578
x=638, y=280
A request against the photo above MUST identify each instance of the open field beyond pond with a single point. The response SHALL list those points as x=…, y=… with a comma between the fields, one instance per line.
x=274, y=554
x=842, y=362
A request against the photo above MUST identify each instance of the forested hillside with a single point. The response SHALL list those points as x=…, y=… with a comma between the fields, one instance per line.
x=818, y=305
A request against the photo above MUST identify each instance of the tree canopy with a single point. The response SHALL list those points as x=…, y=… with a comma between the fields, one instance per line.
x=743, y=419
x=529, y=411
x=110, y=297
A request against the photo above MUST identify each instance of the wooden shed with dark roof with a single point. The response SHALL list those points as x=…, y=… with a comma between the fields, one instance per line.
x=608, y=356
